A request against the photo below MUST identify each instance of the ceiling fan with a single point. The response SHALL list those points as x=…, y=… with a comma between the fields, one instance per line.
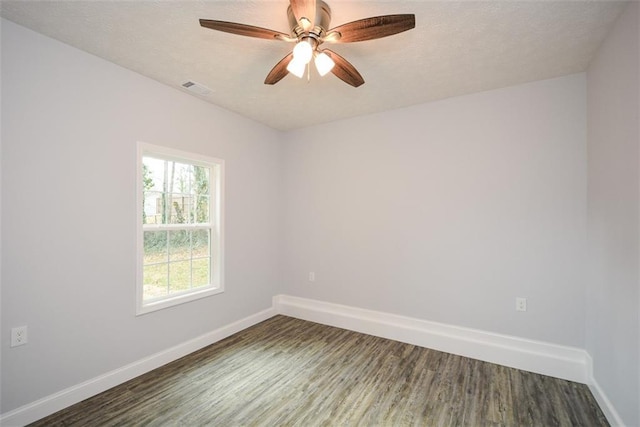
x=309, y=21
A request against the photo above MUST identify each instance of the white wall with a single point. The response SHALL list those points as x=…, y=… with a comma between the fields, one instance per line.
x=613, y=324
x=70, y=122
x=448, y=211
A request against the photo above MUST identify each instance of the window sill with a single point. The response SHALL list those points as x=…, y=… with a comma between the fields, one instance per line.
x=150, y=307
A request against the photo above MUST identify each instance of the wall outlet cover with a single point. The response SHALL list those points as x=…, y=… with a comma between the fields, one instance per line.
x=19, y=336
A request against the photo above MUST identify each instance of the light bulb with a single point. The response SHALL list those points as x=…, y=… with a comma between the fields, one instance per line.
x=324, y=63
x=296, y=67
x=303, y=52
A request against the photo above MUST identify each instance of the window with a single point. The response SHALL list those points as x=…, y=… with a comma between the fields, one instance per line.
x=180, y=233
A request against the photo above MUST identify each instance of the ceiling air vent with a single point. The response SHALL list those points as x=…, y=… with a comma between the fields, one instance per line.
x=196, y=88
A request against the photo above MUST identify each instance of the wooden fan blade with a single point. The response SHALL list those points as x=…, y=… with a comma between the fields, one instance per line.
x=243, y=30
x=278, y=72
x=305, y=12
x=344, y=70
x=374, y=28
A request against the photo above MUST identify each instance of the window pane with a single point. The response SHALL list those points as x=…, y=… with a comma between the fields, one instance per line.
x=162, y=208
x=155, y=181
x=200, y=245
x=201, y=192
x=179, y=245
x=154, y=278
x=180, y=178
x=153, y=173
x=202, y=209
x=200, y=272
x=180, y=208
x=177, y=188
x=179, y=276
x=152, y=207
x=200, y=180
x=155, y=247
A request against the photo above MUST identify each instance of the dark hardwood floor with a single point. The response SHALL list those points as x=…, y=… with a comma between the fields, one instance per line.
x=289, y=372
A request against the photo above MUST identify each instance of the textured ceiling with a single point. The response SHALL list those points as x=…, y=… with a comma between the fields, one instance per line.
x=456, y=48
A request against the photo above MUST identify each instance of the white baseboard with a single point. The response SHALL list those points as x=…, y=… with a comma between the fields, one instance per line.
x=55, y=402
x=535, y=356
x=603, y=401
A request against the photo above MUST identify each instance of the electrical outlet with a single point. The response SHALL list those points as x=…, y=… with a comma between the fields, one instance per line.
x=19, y=336
x=312, y=276
x=521, y=304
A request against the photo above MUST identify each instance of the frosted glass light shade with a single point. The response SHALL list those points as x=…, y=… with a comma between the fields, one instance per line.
x=303, y=52
x=324, y=63
x=296, y=67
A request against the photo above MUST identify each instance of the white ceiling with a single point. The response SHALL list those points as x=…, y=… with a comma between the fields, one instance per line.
x=456, y=48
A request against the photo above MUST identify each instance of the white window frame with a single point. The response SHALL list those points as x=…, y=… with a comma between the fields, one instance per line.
x=216, y=216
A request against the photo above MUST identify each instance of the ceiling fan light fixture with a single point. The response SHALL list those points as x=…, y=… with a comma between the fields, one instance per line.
x=324, y=63
x=296, y=67
x=303, y=52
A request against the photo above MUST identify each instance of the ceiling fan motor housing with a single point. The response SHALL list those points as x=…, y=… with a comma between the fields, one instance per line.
x=321, y=22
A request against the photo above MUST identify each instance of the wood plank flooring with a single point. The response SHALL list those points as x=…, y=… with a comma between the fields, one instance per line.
x=290, y=372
